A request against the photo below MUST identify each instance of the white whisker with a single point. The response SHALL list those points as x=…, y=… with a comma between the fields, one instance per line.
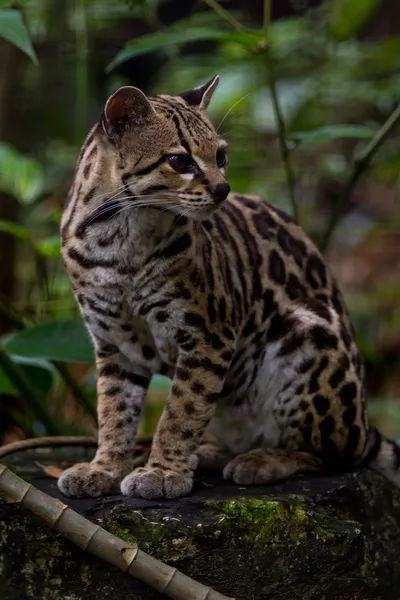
x=232, y=107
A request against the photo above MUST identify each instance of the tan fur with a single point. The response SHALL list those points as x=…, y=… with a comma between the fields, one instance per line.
x=226, y=296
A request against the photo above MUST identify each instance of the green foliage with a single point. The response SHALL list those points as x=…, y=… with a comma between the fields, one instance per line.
x=346, y=17
x=321, y=135
x=63, y=339
x=13, y=29
x=29, y=183
x=38, y=372
x=182, y=34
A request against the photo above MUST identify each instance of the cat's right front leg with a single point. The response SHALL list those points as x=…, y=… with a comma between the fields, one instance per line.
x=121, y=391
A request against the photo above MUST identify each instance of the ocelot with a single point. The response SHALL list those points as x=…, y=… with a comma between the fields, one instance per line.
x=223, y=293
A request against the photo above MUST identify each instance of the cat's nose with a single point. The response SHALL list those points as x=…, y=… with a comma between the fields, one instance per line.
x=219, y=191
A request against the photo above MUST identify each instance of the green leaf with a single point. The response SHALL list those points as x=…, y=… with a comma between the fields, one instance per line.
x=20, y=176
x=64, y=339
x=346, y=17
x=49, y=247
x=322, y=135
x=40, y=377
x=13, y=29
x=6, y=386
x=173, y=36
x=16, y=230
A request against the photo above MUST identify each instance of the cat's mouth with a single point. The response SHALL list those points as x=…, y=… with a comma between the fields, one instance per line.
x=198, y=211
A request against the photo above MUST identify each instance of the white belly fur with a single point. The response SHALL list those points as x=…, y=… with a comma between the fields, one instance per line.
x=252, y=424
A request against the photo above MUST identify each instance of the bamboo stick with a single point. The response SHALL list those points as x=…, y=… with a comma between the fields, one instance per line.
x=96, y=540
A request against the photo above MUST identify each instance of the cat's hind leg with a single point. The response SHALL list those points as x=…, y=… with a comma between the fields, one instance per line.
x=261, y=466
x=212, y=456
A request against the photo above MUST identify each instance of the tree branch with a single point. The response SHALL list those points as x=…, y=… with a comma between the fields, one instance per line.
x=360, y=165
x=60, y=440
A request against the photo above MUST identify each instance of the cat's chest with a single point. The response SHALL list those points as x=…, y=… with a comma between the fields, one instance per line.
x=115, y=319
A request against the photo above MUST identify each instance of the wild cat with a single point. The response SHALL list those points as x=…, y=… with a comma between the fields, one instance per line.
x=223, y=293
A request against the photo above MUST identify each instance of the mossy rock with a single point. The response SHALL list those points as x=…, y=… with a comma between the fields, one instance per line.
x=317, y=538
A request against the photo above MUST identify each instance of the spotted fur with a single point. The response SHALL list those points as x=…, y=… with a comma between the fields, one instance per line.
x=223, y=293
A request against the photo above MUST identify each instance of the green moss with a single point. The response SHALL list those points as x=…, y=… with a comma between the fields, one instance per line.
x=271, y=521
x=156, y=534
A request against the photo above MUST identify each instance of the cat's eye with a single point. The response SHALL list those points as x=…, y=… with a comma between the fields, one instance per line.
x=222, y=158
x=180, y=162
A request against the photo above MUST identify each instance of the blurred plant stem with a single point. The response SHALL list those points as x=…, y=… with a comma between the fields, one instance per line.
x=267, y=15
x=17, y=322
x=225, y=15
x=280, y=123
x=82, y=72
x=361, y=164
x=17, y=376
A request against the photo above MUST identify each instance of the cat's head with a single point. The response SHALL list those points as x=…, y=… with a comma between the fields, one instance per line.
x=165, y=150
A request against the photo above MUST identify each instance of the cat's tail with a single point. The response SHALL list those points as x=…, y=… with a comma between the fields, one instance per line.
x=383, y=456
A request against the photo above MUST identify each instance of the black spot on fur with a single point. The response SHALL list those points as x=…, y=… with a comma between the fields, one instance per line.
x=292, y=343
x=215, y=341
x=280, y=326
x=309, y=418
x=306, y=365
x=269, y=304
x=182, y=373
x=228, y=333
x=315, y=272
x=187, y=434
x=177, y=246
x=314, y=383
x=190, y=408
x=319, y=308
x=222, y=309
x=148, y=352
x=349, y=415
x=197, y=387
x=336, y=378
x=348, y=393
x=161, y=316
x=264, y=223
x=327, y=427
x=345, y=335
x=352, y=441
x=109, y=370
x=212, y=313
x=337, y=300
x=321, y=404
x=292, y=246
x=195, y=320
x=294, y=288
x=250, y=326
x=276, y=268
x=322, y=339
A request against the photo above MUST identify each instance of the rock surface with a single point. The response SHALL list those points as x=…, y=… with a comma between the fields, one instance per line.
x=321, y=538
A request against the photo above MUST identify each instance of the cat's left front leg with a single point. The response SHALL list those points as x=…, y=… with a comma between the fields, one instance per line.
x=196, y=386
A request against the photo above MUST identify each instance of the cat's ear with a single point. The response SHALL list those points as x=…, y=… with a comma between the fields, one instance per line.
x=125, y=109
x=200, y=96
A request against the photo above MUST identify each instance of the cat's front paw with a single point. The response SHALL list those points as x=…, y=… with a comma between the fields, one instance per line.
x=149, y=482
x=87, y=480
